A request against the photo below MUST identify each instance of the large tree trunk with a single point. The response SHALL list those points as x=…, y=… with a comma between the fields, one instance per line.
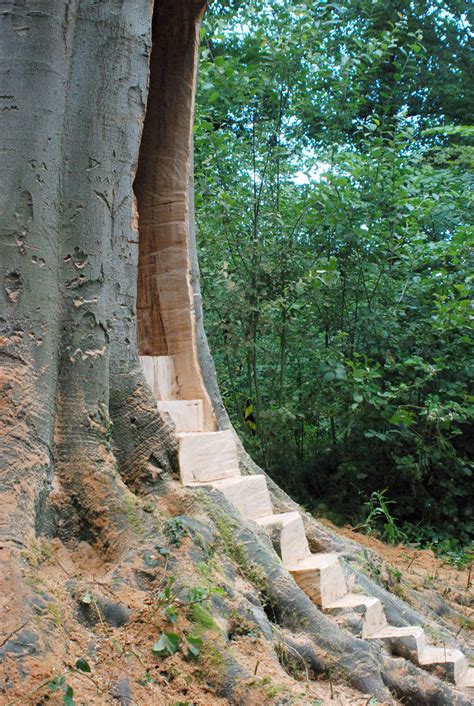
x=81, y=438
x=74, y=92
x=76, y=82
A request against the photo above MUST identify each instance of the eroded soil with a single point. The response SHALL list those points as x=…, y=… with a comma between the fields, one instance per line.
x=73, y=588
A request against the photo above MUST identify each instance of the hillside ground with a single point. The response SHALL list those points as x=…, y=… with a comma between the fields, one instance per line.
x=112, y=618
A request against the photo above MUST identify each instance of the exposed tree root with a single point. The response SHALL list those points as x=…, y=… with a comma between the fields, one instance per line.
x=365, y=665
x=143, y=444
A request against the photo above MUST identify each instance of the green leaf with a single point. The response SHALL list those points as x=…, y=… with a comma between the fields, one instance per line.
x=87, y=598
x=194, y=645
x=171, y=613
x=83, y=665
x=68, y=694
x=167, y=644
x=56, y=683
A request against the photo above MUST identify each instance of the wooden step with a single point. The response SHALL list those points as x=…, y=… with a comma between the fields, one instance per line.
x=408, y=641
x=288, y=536
x=249, y=494
x=373, y=618
x=321, y=576
x=207, y=456
x=450, y=663
x=467, y=679
x=186, y=415
x=160, y=374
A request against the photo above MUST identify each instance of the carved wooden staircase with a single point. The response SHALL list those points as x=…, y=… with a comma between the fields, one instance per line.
x=211, y=458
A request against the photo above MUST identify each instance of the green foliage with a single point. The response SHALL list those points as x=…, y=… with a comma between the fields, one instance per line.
x=38, y=552
x=146, y=679
x=237, y=552
x=268, y=686
x=170, y=642
x=193, y=646
x=175, y=530
x=334, y=164
x=448, y=548
x=452, y=551
x=379, y=513
x=56, y=683
x=59, y=683
x=212, y=660
x=82, y=665
x=56, y=614
x=90, y=600
x=167, y=645
x=202, y=617
x=170, y=604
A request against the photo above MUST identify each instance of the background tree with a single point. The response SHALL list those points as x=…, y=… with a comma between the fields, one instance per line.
x=334, y=166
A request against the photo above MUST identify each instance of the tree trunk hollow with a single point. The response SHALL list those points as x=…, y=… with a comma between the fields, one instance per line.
x=165, y=308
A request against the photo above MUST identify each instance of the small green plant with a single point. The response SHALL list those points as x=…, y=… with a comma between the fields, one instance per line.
x=379, y=514
x=206, y=569
x=59, y=683
x=267, y=685
x=394, y=574
x=89, y=599
x=170, y=642
x=201, y=617
x=38, y=552
x=35, y=583
x=83, y=666
x=170, y=605
x=56, y=614
x=146, y=679
x=192, y=646
x=167, y=645
x=451, y=552
x=108, y=436
x=212, y=660
x=175, y=530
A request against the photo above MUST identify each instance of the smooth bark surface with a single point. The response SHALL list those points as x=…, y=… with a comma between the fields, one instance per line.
x=74, y=88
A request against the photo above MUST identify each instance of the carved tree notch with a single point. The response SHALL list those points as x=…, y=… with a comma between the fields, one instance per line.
x=165, y=300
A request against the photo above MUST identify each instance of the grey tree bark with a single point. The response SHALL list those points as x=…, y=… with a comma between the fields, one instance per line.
x=73, y=97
